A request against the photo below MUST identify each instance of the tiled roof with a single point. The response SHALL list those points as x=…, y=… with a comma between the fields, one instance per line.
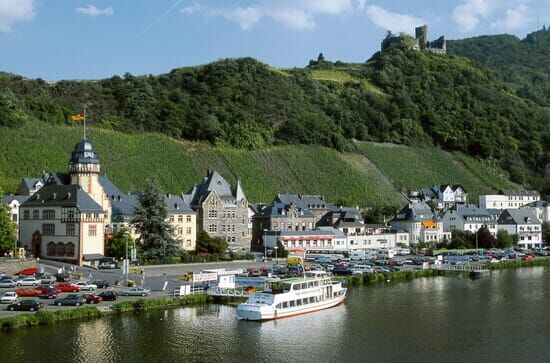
x=518, y=216
x=529, y=193
x=6, y=199
x=64, y=196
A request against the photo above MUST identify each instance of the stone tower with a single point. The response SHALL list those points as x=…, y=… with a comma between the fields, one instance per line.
x=421, y=34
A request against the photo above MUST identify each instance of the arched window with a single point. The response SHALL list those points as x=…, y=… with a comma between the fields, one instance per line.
x=26, y=215
x=69, y=249
x=35, y=214
x=60, y=249
x=50, y=249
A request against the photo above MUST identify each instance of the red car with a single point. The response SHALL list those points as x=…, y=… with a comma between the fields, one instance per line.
x=93, y=299
x=31, y=271
x=67, y=287
x=28, y=292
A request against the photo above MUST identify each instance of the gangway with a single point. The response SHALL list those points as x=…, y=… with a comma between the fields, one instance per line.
x=227, y=292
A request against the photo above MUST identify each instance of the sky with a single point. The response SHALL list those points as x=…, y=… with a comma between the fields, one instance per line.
x=92, y=39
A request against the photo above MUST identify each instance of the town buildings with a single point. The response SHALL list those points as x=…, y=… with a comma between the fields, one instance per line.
x=524, y=224
x=469, y=217
x=508, y=199
x=420, y=222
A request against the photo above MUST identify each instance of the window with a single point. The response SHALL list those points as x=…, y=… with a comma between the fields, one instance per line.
x=92, y=230
x=188, y=219
x=223, y=228
x=212, y=228
x=35, y=214
x=188, y=230
x=48, y=229
x=188, y=243
x=50, y=249
x=14, y=217
x=48, y=214
x=69, y=249
x=180, y=230
x=69, y=229
x=172, y=219
x=212, y=213
x=26, y=215
x=60, y=249
x=180, y=218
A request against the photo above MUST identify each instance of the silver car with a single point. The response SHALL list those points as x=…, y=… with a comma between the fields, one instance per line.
x=7, y=283
x=136, y=291
x=28, y=281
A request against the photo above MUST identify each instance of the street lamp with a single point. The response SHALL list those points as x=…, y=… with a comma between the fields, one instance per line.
x=265, y=245
x=276, y=259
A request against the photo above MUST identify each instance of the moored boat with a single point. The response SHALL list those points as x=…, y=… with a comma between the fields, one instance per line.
x=288, y=297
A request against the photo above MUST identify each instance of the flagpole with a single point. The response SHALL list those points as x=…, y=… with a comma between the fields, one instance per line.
x=84, y=123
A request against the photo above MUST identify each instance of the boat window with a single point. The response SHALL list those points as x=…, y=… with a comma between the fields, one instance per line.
x=304, y=285
x=298, y=302
x=312, y=299
x=292, y=303
x=278, y=306
x=285, y=304
x=297, y=287
x=304, y=300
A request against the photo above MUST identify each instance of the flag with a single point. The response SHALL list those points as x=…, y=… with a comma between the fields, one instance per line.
x=78, y=117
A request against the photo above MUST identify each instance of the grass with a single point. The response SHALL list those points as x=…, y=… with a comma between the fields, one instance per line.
x=374, y=176
x=339, y=76
x=43, y=317
x=148, y=304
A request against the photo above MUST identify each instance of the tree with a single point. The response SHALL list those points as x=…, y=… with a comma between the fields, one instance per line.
x=546, y=232
x=8, y=230
x=462, y=239
x=504, y=240
x=210, y=245
x=281, y=250
x=117, y=244
x=485, y=239
x=150, y=221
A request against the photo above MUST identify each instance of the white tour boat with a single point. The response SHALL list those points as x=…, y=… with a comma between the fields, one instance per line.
x=287, y=297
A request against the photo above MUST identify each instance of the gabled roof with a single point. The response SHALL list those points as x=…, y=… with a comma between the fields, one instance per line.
x=518, y=216
x=471, y=210
x=279, y=210
x=83, y=153
x=30, y=182
x=6, y=199
x=108, y=187
x=304, y=201
x=214, y=182
x=63, y=196
x=176, y=205
x=414, y=212
x=537, y=204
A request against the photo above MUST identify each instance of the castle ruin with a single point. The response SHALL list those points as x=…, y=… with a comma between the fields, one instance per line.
x=420, y=42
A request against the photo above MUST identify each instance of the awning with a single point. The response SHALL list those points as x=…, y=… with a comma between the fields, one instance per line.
x=93, y=257
x=428, y=224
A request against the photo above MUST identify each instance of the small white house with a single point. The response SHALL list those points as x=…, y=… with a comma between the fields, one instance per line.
x=524, y=224
x=508, y=199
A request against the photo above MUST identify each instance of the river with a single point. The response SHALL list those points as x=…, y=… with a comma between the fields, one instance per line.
x=501, y=318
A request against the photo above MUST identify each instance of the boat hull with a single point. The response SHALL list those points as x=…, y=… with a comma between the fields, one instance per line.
x=264, y=313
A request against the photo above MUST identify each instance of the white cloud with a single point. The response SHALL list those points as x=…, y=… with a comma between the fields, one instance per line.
x=191, y=9
x=392, y=21
x=93, y=11
x=294, y=14
x=514, y=18
x=469, y=13
x=12, y=11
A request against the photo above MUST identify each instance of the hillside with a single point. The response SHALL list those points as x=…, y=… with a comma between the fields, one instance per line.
x=402, y=97
x=372, y=177
x=521, y=63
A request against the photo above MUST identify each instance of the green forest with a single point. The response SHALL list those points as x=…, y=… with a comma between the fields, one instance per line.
x=399, y=96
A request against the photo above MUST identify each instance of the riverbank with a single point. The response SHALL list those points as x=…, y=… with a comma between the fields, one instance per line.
x=43, y=317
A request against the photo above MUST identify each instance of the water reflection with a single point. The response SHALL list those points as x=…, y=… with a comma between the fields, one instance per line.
x=499, y=318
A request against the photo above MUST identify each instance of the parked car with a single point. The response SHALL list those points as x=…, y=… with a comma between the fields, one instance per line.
x=101, y=284
x=8, y=297
x=28, y=281
x=107, y=265
x=108, y=296
x=28, y=292
x=86, y=286
x=341, y=271
x=92, y=299
x=47, y=292
x=45, y=278
x=72, y=300
x=31, y=271
x=8, y=283
x=136, y=291
x=62, y=277
x=67, y=287
x=2, y=275
x=25, y=305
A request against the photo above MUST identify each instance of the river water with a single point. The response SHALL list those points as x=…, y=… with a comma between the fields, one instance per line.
x=501, y=318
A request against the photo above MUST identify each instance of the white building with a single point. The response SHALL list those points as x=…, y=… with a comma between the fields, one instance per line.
x=444, y=196
x=524, y=224
x=508, y=199
x=321, y=239
x=541, y=209
x=420, y=222
x=383, y=238
x=469, y=217
x=13, y=202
